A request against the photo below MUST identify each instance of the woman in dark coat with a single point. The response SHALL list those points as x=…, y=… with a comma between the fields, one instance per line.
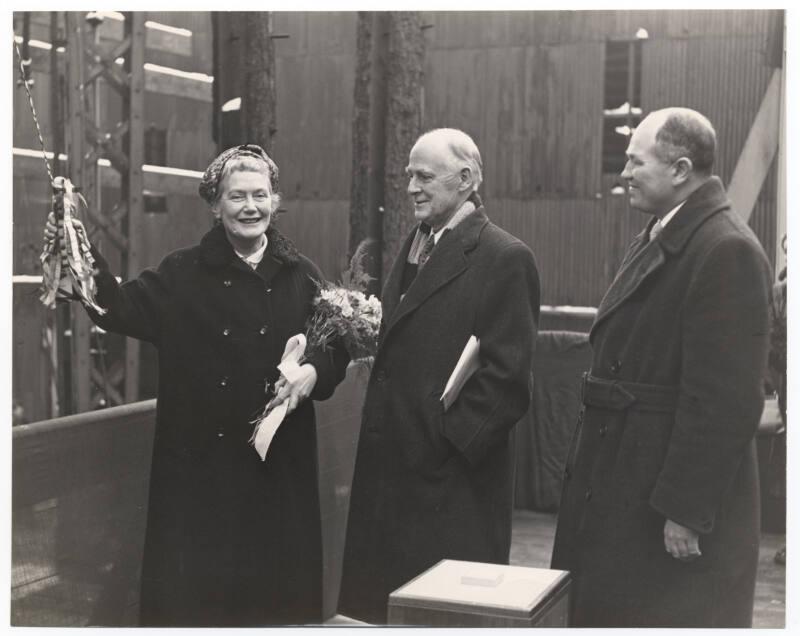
x=230, y=540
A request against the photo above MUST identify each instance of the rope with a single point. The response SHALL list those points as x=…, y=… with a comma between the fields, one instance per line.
x=24, y=78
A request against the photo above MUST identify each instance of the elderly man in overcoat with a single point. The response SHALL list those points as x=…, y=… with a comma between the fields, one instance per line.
x=432, y=483
x=659, y=517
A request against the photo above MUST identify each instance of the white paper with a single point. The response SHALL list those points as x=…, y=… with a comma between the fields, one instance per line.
x=268, y=427
x=290, y=361
x=467, y=364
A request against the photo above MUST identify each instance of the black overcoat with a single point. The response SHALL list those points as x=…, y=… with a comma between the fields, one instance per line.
x=230, y=540
x=680, y=346
x=430, y=485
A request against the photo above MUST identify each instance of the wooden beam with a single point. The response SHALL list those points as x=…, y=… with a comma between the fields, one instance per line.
x=105, y=385
x=159, y=37
x=759, y=150
x=173, y=181
x=79, y=173
x=105, y=65
x=179, y=85
x=135, y=180
x=158, y=79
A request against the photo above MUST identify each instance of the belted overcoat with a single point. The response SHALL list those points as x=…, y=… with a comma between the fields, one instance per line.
x=431, y=484
x=230, y=540
x=666, y=432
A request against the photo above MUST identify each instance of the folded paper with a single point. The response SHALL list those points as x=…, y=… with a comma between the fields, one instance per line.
x=467, y=364
x=268, y=427
x=269, y=421
x=292, y=354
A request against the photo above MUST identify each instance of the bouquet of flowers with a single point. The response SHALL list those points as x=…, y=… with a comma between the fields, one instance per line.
x=345, y=311
x=342, y=311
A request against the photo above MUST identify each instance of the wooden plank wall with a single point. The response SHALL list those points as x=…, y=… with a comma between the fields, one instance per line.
x=528, y=86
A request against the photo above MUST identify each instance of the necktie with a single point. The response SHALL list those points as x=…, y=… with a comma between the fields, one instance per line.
x=655, y=230
x=427, y=248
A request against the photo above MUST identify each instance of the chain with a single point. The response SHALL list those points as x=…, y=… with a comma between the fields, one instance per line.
x=24, y=78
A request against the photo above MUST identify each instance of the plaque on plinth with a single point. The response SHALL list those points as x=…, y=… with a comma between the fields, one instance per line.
x=467, y=594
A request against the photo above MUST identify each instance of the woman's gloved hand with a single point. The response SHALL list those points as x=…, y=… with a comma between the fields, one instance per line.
x=297, y=391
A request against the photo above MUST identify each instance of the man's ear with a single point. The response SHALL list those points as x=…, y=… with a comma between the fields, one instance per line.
x=465, y=179
x=681, y=170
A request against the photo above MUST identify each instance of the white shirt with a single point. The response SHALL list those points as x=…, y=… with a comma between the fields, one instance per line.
x=660, y=224
x=668, y=216
x=256, y=257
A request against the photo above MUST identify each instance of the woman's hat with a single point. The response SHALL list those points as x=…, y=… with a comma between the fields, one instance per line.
x=209, y=184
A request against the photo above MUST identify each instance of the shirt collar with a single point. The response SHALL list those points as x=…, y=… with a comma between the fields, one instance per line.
x=256, y=257
x=668, y=216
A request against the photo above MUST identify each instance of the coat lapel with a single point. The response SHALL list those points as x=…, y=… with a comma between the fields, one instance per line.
x=390, y=297
x=447, y=261
x=644, y=259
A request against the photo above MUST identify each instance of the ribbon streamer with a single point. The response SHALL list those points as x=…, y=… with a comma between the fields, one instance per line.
x=67, y=262
x=272, y=417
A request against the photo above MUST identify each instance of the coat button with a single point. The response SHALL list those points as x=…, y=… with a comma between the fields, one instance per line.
x=223, y=382
x=616, y=366
x=227, y=283
x=263, y=330
x=220, y=434
x=603, y=429
x=269, y=290
x=381, y=376
x=589, y=494
x=226, y=332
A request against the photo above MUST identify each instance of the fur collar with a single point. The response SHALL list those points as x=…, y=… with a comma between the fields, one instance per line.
x=217, y=251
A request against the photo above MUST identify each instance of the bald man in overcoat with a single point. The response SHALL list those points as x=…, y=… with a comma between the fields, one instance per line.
x=659, y=516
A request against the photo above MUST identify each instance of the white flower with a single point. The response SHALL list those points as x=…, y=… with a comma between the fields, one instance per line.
x=328, y=295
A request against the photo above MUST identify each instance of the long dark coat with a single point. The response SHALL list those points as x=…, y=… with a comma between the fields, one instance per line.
x=430, y=485
x=230, y=540
x=680, y=346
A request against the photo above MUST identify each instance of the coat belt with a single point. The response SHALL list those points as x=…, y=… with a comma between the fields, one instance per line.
x=619, y=396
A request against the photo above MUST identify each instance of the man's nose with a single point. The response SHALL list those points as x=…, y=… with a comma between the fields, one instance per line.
x=413, y=188
x=626, y=172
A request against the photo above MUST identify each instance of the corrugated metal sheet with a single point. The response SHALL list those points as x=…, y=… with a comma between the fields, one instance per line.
x=578, y=265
